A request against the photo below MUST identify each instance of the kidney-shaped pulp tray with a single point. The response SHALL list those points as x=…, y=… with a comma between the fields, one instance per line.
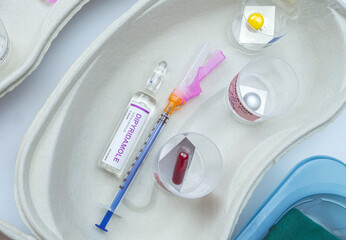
x=31, y=26
x=59, y=188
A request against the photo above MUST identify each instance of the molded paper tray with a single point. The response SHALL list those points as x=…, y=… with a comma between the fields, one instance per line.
x=31, y=25
x=59, y=187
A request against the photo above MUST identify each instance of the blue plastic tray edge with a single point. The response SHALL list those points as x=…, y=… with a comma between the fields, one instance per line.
x=303, y=162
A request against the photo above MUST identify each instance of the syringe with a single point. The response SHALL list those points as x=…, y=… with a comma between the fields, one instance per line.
x=188, y=89
x=133, y=171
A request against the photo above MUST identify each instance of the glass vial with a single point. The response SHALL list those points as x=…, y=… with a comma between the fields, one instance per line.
x=142, y=105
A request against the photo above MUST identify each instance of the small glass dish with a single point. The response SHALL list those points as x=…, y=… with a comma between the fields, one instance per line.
x=203, y=174
x=266, y=87
x=278, y=18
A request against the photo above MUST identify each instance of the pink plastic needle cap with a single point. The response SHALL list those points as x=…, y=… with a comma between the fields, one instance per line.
x=51, y=1
x=194, y=89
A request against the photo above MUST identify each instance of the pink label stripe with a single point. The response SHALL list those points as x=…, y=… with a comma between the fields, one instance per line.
x=136, y=106
x=158, y=180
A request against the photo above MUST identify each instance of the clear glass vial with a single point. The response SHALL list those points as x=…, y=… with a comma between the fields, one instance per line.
x=142, y=105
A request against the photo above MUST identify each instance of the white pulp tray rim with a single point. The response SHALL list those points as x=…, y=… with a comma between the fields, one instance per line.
x=13, y=79
x=40, y=119
x=62, y=90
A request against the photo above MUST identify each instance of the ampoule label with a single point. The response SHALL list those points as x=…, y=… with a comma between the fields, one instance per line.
x=126, y=135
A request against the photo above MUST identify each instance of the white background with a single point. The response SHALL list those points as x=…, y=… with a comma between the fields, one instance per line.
x=19, y=107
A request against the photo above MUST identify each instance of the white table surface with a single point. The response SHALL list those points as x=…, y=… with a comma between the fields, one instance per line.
x=19, y=107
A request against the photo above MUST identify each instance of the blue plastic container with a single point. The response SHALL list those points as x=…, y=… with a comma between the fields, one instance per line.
x=317, y=187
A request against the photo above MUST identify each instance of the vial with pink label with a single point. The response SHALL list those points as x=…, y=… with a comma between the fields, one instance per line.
x=266, y=87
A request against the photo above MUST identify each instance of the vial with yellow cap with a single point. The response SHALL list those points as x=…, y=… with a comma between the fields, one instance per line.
x=256, y=21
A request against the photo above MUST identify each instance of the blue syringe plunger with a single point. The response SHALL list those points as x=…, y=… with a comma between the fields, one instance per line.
x=105, y=221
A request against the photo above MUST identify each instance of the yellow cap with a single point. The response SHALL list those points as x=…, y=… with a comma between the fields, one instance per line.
x=256, y=21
